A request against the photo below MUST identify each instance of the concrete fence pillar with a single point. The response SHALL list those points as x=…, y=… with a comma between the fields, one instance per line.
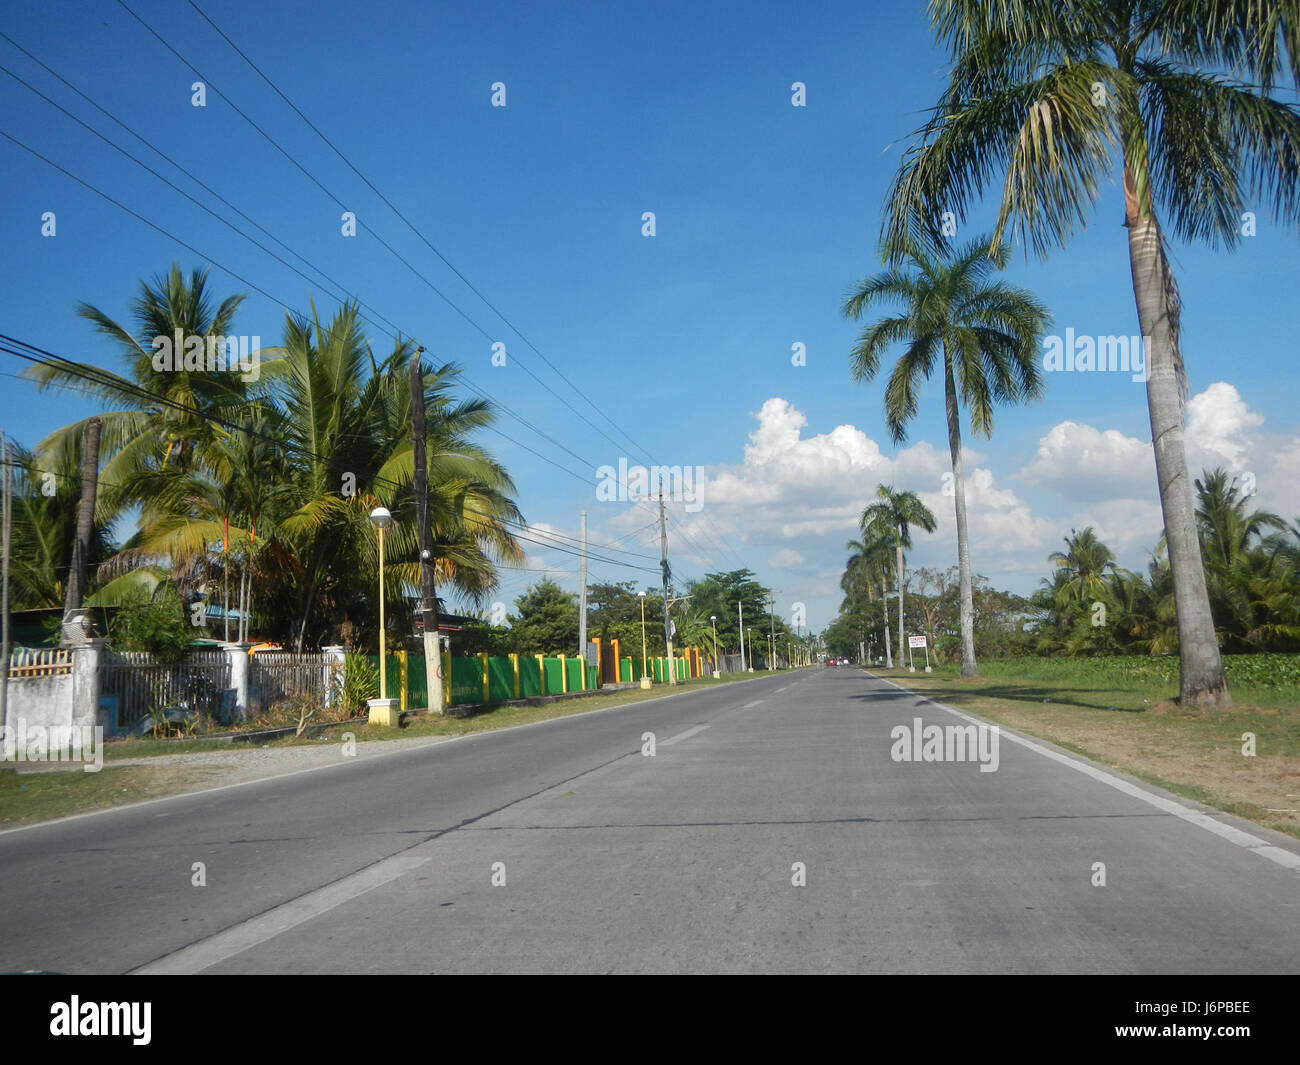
x=335, y=669
x=240, y=675
x=86, y=658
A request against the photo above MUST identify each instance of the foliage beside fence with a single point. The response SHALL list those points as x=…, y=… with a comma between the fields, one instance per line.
x=1274, y=672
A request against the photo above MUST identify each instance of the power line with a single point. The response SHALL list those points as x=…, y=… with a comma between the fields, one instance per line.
x=77, y=370
x=340, y=203
x=235, y=274
x=414, y=229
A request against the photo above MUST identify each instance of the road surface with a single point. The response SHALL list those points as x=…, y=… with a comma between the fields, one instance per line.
x=771, y=831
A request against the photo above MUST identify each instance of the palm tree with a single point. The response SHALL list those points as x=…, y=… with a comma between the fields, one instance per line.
x=1062, y=94
x=1083, y=569
x=44, y=528
x=891, y=517
x=1245, y=584
x=987, y=336
x=160, y=419
x=347, y=434
x=869, y=564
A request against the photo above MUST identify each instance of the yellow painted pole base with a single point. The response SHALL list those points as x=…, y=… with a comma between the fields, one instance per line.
x=384, y=712
x=646, y=682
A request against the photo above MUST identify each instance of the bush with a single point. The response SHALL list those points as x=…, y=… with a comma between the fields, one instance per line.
x=159, y=626
x=360, y=683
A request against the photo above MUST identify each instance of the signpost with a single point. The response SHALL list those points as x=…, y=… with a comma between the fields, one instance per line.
x=917, y=641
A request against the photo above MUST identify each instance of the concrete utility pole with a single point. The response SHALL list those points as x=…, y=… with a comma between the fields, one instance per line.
x=85, y=526
x=663, y=562
x=771, y=606
x=740, y=605
x=428, y=573
x=582, y=598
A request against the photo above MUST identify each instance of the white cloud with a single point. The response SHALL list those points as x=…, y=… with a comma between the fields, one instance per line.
x=1218, y=423
x=1083, y=464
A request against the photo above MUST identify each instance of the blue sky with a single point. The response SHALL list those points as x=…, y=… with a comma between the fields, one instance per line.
x=765, y=214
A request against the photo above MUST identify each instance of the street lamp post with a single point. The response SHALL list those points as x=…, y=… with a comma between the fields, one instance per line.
x=645, y=675
x=383, y=711
x=717, y=664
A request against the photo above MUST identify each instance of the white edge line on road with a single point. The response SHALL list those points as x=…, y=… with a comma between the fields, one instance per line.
x=683, y=736
x=1254, y=844
x=432, y=741
x=234, y=940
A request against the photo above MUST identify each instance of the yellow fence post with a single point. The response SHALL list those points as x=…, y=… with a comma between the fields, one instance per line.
x=541, y=673
x=446, y=679
x=487, y=684
x=401, y=663
x=564, y=674
x=514, y=662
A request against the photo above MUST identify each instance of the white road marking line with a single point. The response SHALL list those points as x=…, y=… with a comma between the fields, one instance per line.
x=217, y=948
x=1251, y=843
x=683, y=736
x=754, y=703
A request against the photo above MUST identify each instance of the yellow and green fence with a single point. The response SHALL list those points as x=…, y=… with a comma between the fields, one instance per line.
x=489, y=679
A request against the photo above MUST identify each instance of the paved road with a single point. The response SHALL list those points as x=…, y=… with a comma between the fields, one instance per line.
x=681, y=862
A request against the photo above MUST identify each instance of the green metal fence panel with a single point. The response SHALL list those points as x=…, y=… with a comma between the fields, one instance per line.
x=593, y=681
x=554, y=680
x=416, y=682
x=573, y=667
x=635, y=668
x=501, y=679
x=530, y=681
x=466, y=680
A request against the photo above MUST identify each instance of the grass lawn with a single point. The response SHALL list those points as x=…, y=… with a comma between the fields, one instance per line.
x=27, y=797
x=1129, y=721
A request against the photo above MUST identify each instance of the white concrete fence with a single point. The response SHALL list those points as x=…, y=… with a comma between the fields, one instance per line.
x=89, y=684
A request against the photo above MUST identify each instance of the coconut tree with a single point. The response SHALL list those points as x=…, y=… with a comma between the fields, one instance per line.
x=868, y=566
x=891, y=517
x=1059, y=95
x=1246, y=585
x=347, y=441
x=159, y=414
x=985, y=336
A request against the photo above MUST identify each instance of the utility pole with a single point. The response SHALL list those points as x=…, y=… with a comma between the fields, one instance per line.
x=85, y=523
x=663, y=562
x=771, y=606
x=428, y=575
x=740, y=604
x=582, y=598
x=6, y=640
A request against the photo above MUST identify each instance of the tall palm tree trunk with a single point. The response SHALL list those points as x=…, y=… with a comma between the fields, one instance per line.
x=884, y=599
x=1202, y=682
x=902, y=657
x=966, y=605
x=85, y=521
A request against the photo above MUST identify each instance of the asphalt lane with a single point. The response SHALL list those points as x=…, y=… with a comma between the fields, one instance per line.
x=771, y=831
